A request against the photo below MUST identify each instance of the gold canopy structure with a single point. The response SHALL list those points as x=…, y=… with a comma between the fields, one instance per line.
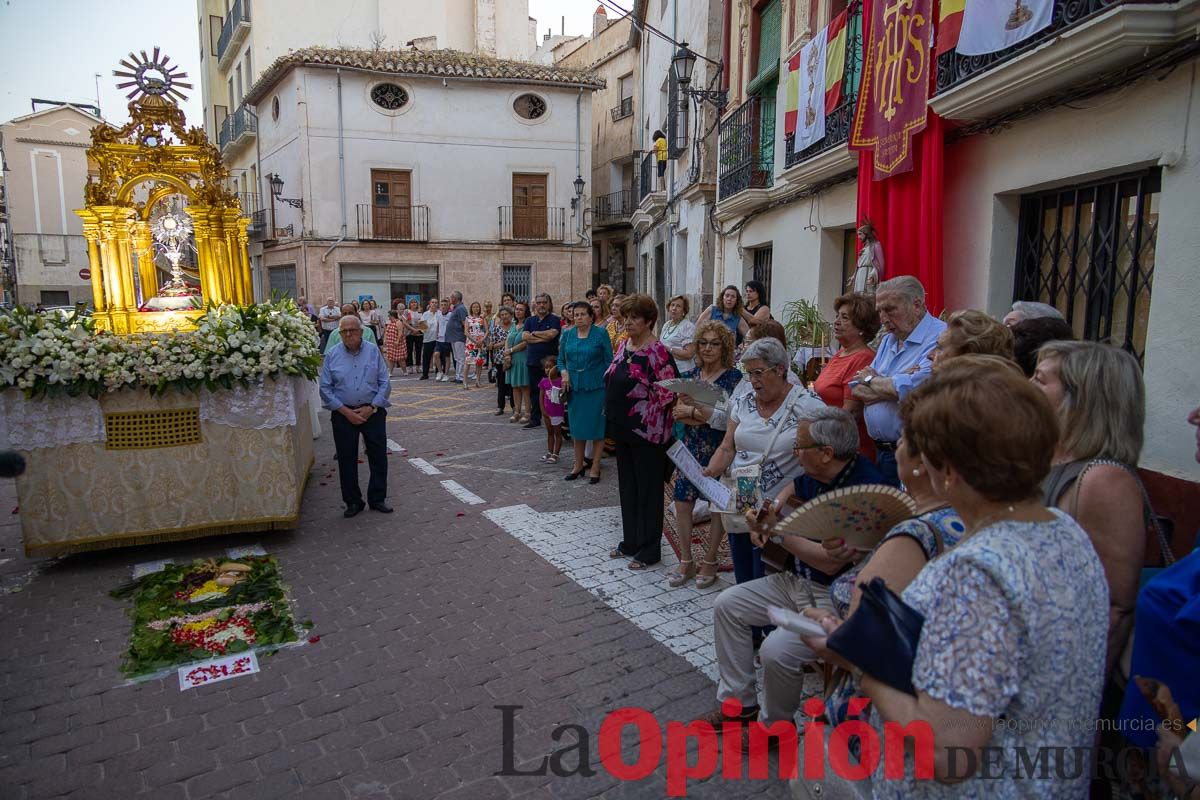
x=155, y=156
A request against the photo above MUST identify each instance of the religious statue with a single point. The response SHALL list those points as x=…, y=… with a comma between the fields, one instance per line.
x=870, y=261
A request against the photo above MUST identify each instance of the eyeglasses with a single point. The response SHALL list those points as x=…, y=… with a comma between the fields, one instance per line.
x=800, y=448
x=708, y=343
x=755, y=374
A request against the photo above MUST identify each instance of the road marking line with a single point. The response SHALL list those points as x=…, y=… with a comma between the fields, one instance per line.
x=395, y=447
x=424, y=466
x=477, y=453
x=462, y=493
x=575, y=542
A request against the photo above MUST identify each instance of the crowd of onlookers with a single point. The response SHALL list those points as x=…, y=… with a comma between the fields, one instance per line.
x=1017, y=444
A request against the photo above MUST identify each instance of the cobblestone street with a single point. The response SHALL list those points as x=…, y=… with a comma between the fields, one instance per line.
x=489, y=586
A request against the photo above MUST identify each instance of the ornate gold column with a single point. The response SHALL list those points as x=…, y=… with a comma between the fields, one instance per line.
x=143, y=244
x=125, y=254
x=91, y=232
x=204, y=253
x=243, y=241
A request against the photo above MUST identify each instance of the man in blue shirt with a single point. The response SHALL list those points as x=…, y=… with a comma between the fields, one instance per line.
x=355, y=384
x=456, y=334
x=827, y=447
x=901, y=364
x=541, y=338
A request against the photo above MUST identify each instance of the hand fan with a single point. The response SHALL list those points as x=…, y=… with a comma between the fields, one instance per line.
x=861, y=515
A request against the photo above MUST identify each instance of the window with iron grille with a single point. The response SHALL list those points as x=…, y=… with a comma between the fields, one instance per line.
x=517, y=281
x=762, y=267
x=677, y=119
x=1089, y=251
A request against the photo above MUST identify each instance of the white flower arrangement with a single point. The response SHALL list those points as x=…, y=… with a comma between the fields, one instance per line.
x=45, y=354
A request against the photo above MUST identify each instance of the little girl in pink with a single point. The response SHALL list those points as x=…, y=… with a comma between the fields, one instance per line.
x=549, y=393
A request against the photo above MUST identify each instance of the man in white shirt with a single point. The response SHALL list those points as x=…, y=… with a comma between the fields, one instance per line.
x=328, y=316
x=444, y=349
x=429, y=338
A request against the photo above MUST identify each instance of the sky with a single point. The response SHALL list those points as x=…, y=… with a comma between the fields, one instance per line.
x=52, y=49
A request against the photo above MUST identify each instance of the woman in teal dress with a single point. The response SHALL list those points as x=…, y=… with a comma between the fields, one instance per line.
x=583, y=356
x=516, y=371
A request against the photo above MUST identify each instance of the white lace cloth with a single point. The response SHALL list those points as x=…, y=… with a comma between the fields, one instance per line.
x=32, y=424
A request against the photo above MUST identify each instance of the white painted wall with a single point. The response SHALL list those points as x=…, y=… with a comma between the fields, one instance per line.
x=1118, y=132
x=805, y=263
x=462, y=141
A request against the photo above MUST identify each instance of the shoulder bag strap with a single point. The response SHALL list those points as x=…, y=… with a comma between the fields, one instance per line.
x=1147, y=510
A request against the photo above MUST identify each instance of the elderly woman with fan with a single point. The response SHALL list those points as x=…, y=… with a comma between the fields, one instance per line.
x=1019, y=603
x=826, y=445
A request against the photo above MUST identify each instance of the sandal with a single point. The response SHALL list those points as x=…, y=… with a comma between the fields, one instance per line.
x=552, y=458
x=546, y=458
x=705, y=581
x=637, y=566
x=616, y=552
x=680, y=578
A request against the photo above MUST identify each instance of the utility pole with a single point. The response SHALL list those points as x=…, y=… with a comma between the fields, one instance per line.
x=97, y=77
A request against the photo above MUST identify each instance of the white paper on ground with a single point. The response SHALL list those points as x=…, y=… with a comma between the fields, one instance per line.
x=222, y=669
x=242, y=552
x=150, y=567
x=718, y=494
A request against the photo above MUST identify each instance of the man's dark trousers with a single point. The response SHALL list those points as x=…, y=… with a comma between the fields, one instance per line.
x=345, y=440
x=427, y=349
x=536, y=373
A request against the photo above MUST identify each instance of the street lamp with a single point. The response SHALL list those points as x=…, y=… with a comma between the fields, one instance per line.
x=276, y=183
x=683, y=63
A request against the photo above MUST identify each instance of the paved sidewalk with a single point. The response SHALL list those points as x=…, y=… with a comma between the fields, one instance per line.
x=425, y=620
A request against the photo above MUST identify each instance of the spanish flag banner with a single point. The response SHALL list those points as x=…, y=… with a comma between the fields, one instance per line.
x=950, y=19
x=792, y=95
x=835, y=60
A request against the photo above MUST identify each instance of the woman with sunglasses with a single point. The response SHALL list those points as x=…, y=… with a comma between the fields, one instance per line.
x=703, y=431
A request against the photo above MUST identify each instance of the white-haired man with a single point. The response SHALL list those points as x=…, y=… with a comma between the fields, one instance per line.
x=355, y=384
x=1028, y=309
x=901, y=364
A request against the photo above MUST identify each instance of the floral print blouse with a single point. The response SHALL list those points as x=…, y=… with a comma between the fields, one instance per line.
x=1016, y=625
x=635, y=402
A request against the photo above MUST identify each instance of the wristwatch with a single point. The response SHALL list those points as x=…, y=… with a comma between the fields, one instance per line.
x=868, y=378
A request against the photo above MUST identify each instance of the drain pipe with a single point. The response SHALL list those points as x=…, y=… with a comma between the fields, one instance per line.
x=579, y=162
x=341, y=168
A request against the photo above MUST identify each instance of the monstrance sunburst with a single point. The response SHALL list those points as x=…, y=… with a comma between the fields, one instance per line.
x=152, y=77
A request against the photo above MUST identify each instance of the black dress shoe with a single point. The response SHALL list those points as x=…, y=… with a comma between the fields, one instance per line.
x=382, y=508
x=353, y=510
x=529, y=425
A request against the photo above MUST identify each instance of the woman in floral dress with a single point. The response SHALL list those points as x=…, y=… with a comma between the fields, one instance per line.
x=703, y=432
x=477, y=330
x=639, y=419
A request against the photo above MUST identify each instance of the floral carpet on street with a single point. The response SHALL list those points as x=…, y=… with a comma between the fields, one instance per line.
x=206, y=609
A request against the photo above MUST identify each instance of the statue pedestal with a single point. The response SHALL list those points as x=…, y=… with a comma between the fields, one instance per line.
x=131, y=468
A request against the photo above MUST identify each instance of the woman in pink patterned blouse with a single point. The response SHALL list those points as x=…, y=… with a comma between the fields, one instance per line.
x=639, y=420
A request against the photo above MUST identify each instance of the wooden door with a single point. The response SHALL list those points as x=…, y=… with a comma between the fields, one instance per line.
x=391, y=213
x=529, y=206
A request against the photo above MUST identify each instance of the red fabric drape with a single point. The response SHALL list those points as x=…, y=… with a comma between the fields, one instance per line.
x=906, y=209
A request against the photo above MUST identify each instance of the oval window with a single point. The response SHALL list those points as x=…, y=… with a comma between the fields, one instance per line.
x=529, y=106
x=275, y=108
x=389, y=96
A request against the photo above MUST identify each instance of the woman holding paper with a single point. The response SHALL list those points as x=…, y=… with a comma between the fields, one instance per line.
x=702, y=436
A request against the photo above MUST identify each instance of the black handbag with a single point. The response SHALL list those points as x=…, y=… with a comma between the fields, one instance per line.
x=881, y=636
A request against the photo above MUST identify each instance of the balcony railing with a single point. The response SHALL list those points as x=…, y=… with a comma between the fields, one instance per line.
x=623, y=110
x=954, y=69
x=647, y=179
x=532, y=224
x=393, y=223
x=608, y=209
x=257, y=230
x=237, y=125
x=841, y=117
x=249, y=202
x=235, y=26
x=747, y=148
